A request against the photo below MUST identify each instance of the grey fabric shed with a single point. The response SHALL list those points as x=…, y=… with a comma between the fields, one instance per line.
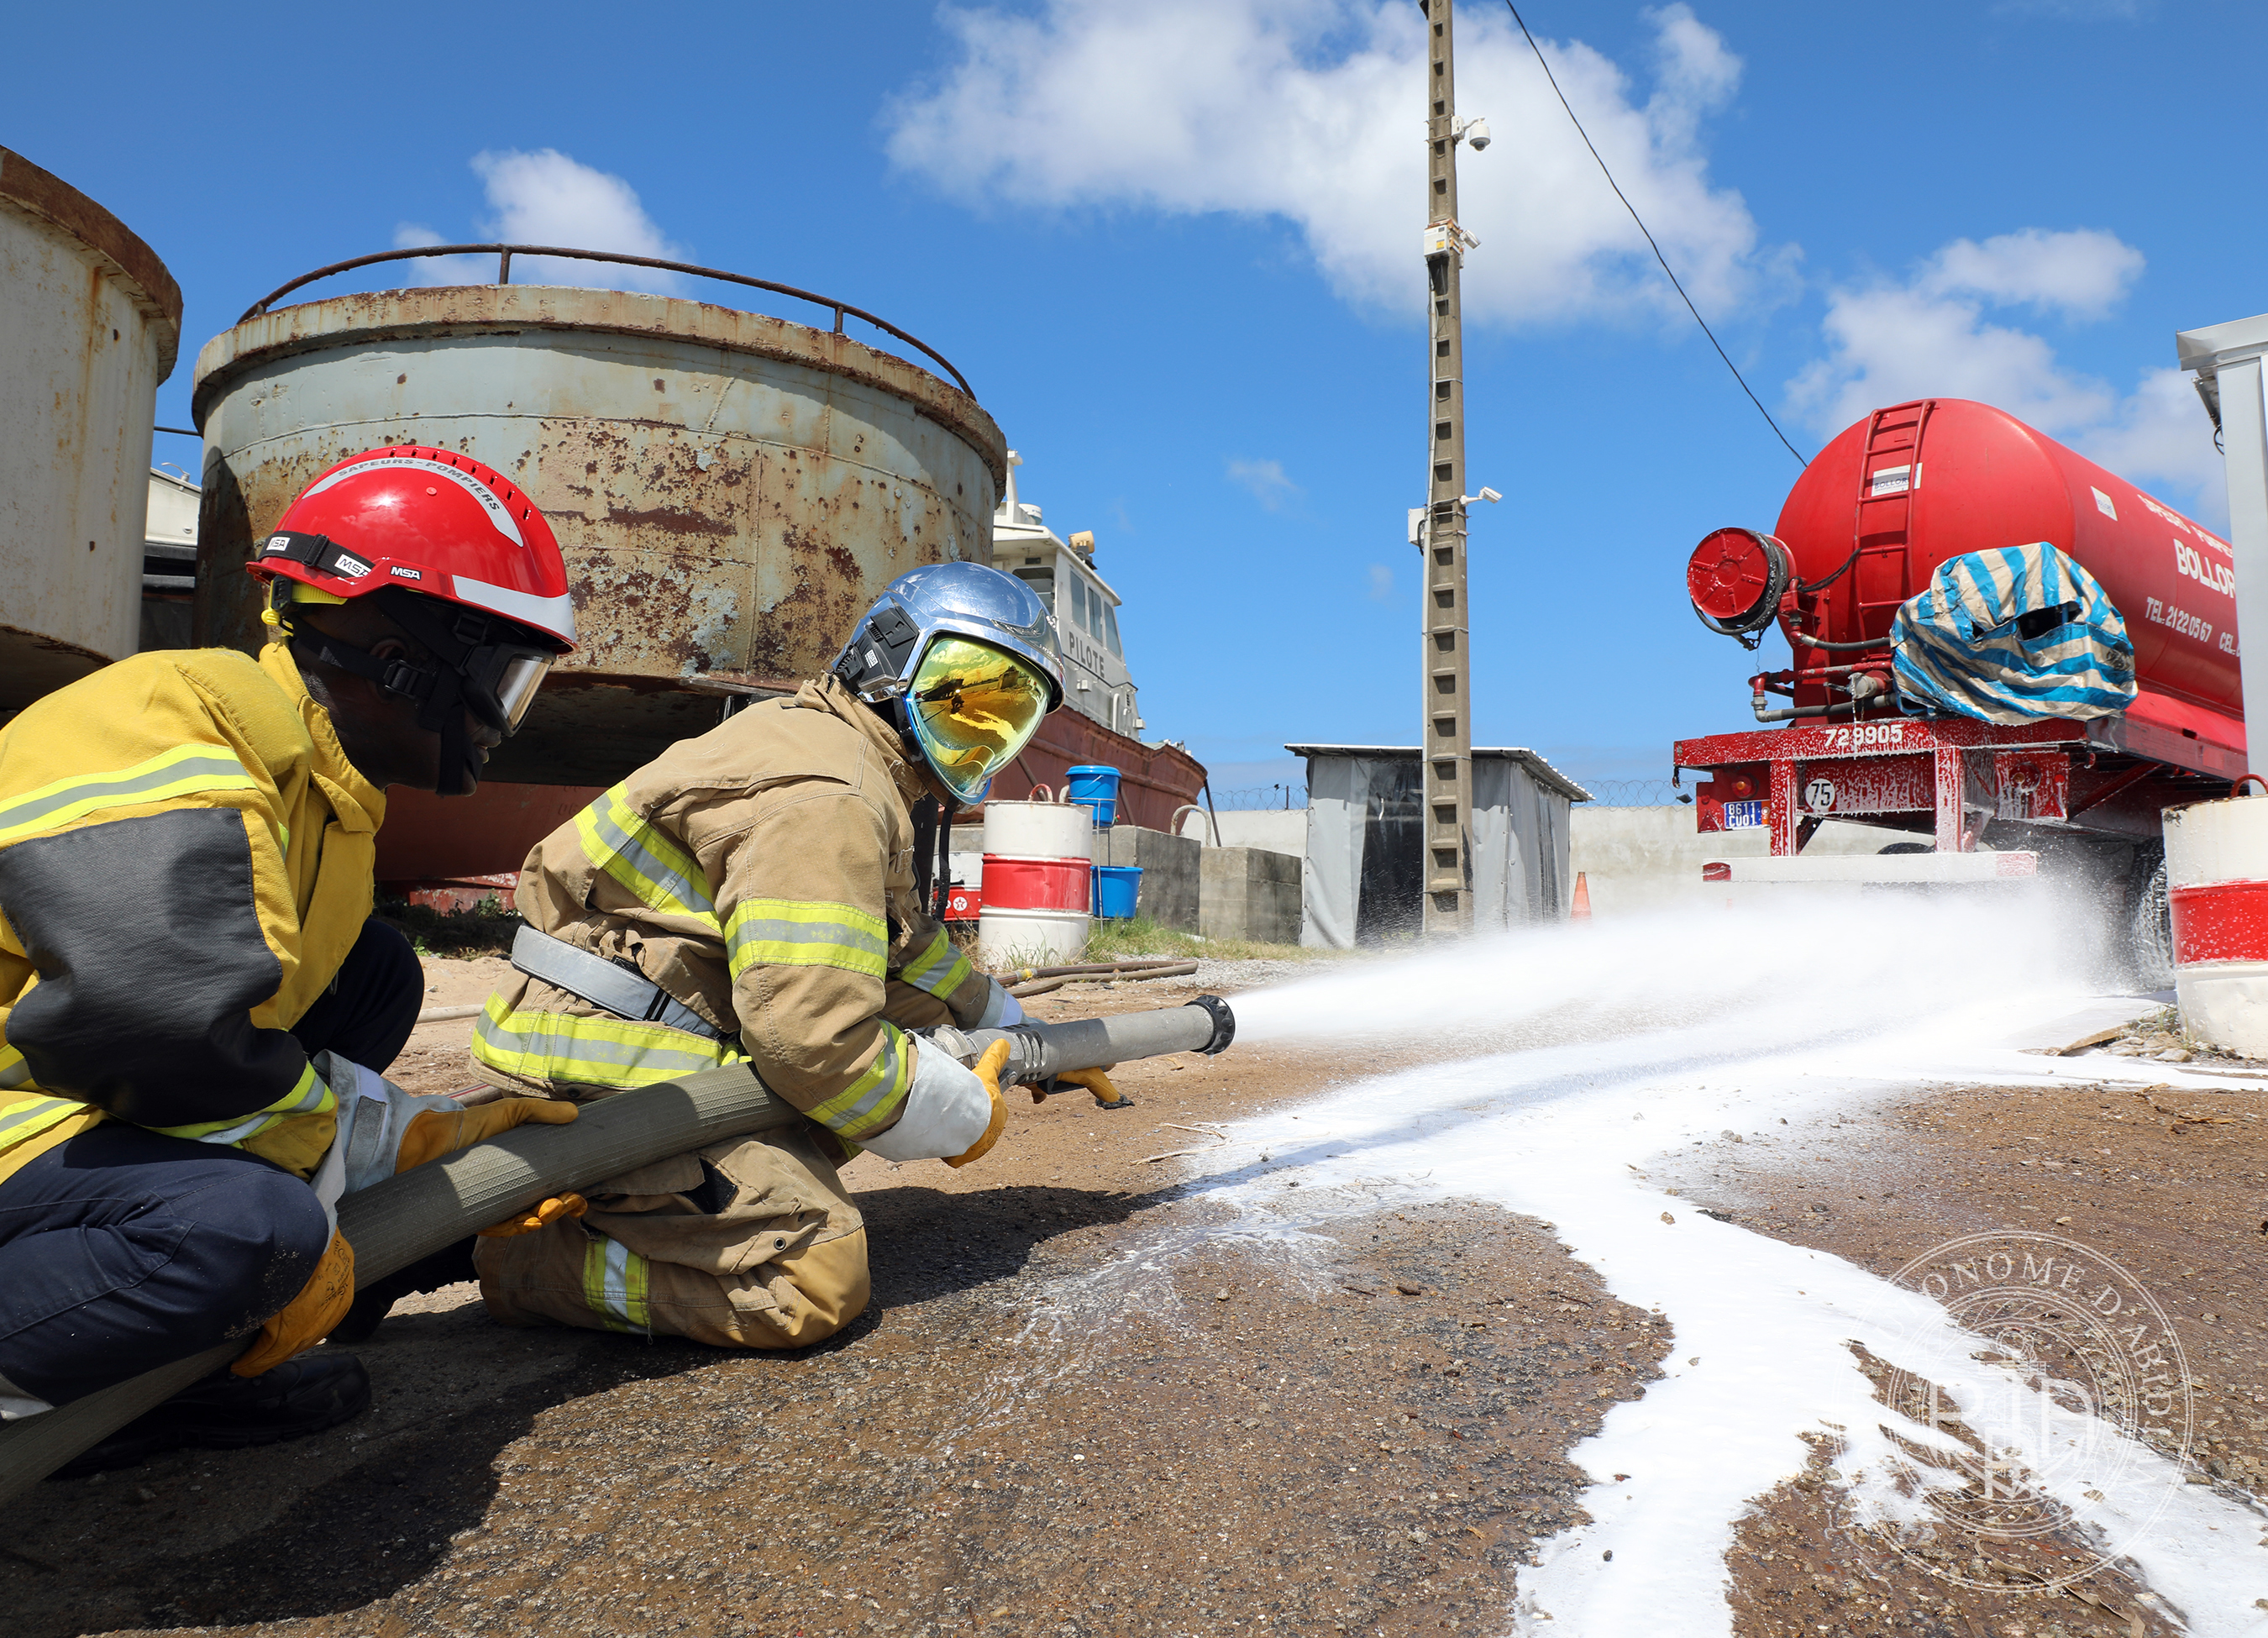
x=1365, y=841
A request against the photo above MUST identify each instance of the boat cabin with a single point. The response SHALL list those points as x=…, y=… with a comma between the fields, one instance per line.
x=1096, y=683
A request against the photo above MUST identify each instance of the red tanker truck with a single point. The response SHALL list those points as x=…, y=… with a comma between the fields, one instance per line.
x=1877, y=512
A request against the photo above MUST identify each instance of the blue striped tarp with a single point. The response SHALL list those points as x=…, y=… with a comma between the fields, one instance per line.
x=2013, y=635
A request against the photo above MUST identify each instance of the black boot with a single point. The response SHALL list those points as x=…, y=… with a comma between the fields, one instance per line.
x=444, y=1267
x=227, y=1411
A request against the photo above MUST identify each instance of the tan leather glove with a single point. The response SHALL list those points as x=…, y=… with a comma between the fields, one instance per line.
x=555, y=1210
x=308, y=1318
x=1098, y=1082
x=439, y=1131
x=988, y=1070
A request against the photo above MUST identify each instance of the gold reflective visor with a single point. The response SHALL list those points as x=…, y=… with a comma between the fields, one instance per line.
x=972, y=707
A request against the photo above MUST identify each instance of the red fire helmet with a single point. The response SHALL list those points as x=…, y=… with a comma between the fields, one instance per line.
x=425, y=521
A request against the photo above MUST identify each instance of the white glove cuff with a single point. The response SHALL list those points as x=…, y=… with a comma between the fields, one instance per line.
x=373, y=1113
x=946, y=1111
x=1001, y=1009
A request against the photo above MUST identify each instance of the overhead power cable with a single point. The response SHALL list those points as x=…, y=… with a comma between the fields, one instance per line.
x=1642, y=228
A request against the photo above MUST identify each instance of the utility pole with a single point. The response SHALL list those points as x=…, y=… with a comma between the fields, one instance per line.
x=1447, y=738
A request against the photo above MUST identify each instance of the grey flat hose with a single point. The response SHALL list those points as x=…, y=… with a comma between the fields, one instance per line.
x=392, y=1224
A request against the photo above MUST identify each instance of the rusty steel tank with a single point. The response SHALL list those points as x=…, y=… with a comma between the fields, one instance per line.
x=730, y=489
x=90, y=324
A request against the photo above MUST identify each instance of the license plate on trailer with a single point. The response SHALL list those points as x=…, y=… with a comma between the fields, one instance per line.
x=1744, y=815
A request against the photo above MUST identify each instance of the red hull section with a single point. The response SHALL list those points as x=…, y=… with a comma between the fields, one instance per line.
x=427, y=839
x=430, y=838
x=1154, y=780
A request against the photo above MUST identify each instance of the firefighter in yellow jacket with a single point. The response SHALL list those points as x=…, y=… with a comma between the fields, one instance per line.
x=193, y=1002
x=750, y=896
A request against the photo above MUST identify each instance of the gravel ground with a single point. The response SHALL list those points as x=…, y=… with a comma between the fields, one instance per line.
x=1088, y=1399
x=2169, y=1183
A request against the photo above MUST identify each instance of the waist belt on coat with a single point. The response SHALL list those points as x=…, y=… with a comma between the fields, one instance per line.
x=599, y=981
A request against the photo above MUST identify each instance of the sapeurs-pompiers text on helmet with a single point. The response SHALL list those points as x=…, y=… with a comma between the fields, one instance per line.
x=458, y=558
x=963, y=660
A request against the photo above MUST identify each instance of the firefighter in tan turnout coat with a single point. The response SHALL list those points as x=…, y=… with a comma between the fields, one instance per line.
x=750, y=896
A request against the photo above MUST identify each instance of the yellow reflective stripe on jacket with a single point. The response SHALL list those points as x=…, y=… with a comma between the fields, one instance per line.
x=28, y=1116
x=873, y=1100
x=309, y=1096
x=615, y=1286
x=616, y=1053
x=14, y=1072
x=655, y=870
x=796, y=932
x=180, y=772
x=940, y=969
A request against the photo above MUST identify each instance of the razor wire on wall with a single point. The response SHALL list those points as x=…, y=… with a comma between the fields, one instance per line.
x=1635, y=793
x=1254, y=796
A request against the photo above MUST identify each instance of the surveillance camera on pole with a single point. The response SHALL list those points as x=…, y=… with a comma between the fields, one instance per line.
x=1446, y=736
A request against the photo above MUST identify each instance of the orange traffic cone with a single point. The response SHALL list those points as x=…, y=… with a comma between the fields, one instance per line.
x=1580, y=910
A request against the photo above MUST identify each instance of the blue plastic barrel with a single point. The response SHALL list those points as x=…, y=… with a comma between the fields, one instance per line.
x=1095, y=785
x=1117, y=888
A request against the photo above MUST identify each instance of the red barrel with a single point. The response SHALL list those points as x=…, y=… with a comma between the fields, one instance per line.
x=1910, y=486
x=1013, y=882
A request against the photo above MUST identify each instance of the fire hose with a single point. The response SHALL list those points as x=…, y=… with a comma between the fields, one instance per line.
x=393, y=1223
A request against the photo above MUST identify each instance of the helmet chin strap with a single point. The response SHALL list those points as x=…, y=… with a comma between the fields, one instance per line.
x=439, y=690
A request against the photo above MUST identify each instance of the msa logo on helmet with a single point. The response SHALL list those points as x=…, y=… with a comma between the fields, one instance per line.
x=407, y=574
x=353, y=568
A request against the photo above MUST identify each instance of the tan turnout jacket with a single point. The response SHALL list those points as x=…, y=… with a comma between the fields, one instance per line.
x=762, y=875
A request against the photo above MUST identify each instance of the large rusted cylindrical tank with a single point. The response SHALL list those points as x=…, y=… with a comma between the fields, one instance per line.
x=1900, y=492
x=89, y=324
x=730, y=490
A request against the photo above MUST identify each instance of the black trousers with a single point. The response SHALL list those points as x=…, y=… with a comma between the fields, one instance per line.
x=123, y=1249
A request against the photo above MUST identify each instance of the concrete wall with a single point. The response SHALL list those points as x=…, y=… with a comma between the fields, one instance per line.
x=1277, y=829
x=1170, y=872
x=1635, y=859
x=1249, y=893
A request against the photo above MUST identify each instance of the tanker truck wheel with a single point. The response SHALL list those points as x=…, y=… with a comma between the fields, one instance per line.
x=2150, y=927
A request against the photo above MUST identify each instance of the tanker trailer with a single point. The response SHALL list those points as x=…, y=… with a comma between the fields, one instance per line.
x=89, y=324
x=1891, y=500
x=730, y=490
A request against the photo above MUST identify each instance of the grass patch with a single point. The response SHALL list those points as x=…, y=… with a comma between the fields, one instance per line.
x=1118, y=940
x=485, y=930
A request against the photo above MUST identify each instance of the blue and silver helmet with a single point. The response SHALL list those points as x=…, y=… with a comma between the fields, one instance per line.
x=963, y=659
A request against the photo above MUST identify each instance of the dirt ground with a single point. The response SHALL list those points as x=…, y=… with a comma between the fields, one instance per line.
x=1088, y=1399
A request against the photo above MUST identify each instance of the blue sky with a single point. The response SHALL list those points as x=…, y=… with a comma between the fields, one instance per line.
x=1175, y=248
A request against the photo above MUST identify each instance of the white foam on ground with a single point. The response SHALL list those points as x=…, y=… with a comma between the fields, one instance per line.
x=1671, y=1031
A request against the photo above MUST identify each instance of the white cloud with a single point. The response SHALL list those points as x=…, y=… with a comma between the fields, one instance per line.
x=1930, y=337
x=1266, y=480
x=1311, y=111
x=1381, y=583
x=2082, y=274
x=548, y=198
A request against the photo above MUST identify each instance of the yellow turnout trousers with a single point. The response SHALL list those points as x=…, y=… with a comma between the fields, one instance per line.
x=747, y=1243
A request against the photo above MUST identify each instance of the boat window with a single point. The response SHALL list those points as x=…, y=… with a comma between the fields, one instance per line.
x=1078, y=600
x=1110, y=627
x=1043, y=582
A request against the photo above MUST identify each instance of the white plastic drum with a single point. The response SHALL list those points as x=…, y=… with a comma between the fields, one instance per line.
x=1039, y=830
x=1031, y=938
x=2217, y=887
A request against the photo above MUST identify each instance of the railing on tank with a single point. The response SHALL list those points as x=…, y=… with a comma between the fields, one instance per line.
x=503, y=253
